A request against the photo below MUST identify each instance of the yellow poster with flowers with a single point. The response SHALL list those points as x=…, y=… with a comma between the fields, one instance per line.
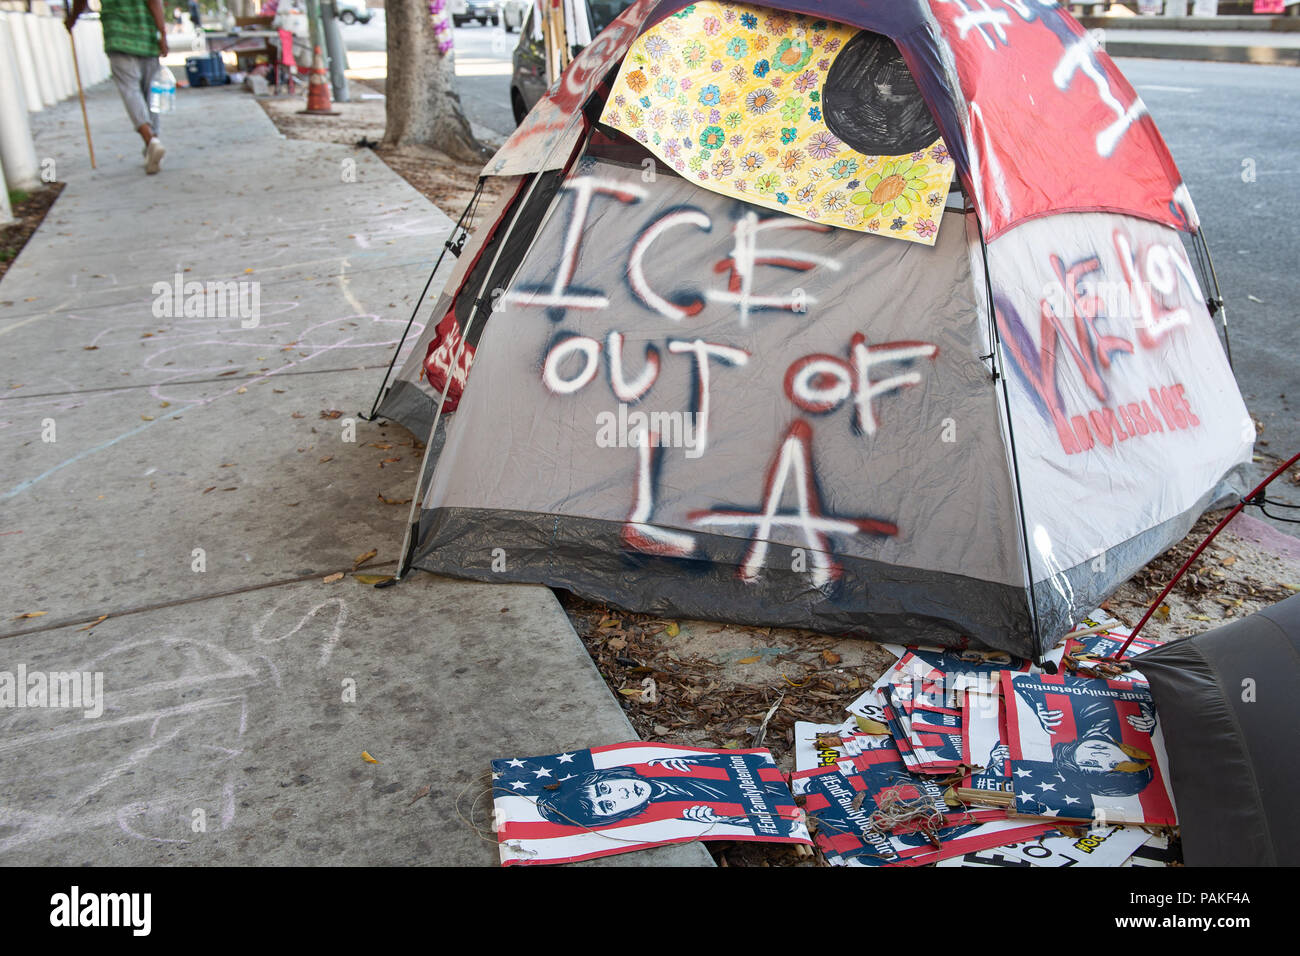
x=733, y=97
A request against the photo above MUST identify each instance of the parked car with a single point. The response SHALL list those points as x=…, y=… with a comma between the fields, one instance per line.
x=514, y=13
x=353, y=11
x=528, y=82
x=463, y=11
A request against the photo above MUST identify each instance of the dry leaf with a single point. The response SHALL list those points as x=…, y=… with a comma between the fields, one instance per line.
x=331, y=578
x=872, y=727
x=99, y=620
x=31, y=614
x=672, y=630
x=361, y=559
x=330, y=413
x=419, y=795
x=830, y=657
x=749, y=660
x=372, y=578
x=367, y=758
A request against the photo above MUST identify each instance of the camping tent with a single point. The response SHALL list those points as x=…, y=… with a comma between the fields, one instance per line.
x=867, y=317
x=1227, y=703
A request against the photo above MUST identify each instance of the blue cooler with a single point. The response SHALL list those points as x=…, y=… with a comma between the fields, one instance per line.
x=206, y=70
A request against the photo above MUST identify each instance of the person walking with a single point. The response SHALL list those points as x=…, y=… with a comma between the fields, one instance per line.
x=135, y=36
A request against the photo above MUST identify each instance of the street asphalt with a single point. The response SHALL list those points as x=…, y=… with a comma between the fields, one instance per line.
x=1234, y=130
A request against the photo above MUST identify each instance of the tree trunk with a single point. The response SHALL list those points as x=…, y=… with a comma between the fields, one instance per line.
x=420, y=95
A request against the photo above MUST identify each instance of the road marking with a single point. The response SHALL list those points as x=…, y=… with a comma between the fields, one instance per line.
x=1166, y=89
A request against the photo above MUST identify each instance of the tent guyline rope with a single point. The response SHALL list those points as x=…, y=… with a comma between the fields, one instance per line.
x=1252, y=498
x=454, y=244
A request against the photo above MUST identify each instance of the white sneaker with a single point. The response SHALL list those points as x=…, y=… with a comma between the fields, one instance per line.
x=154, y=154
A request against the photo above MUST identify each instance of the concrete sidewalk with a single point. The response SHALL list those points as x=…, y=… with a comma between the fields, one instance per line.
x=182, y=475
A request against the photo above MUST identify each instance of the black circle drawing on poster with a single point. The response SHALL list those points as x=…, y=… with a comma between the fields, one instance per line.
x=871, y=101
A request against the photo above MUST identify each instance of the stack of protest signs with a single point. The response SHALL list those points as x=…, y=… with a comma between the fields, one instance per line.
x=958, y=757
x=1002, y=752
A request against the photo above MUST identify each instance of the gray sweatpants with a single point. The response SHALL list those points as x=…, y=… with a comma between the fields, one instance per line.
x=133, y=76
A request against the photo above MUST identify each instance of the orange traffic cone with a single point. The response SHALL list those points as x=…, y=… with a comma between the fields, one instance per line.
x=318, y=88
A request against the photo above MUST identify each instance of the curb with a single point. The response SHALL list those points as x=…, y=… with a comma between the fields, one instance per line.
x=1260, y=55
x=1286, y=24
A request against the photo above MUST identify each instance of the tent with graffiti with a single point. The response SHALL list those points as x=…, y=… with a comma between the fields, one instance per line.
x=873, y=317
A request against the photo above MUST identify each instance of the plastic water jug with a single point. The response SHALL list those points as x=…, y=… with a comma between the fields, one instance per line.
x=162, y=91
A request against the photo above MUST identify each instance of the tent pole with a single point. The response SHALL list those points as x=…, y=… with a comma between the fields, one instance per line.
x=1217, y=301
x=409, y=540
x=462, y=224
x=998, y=375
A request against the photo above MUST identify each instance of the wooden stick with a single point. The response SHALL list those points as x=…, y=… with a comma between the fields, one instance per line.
x=996, y=798
x=85, y=119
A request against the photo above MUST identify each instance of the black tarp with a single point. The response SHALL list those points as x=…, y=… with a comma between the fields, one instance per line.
x=1229, y=707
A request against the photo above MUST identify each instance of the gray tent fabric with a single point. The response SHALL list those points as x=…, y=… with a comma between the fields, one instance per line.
x=788, y=507
x=679, y=399
x=1227, y=701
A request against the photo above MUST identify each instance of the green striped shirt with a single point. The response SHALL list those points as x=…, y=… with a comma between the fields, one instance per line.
x=128, y=27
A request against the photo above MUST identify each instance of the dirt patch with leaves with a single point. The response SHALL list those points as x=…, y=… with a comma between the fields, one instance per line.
x=703, y=684
x=30, y=209
x=446, y=183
